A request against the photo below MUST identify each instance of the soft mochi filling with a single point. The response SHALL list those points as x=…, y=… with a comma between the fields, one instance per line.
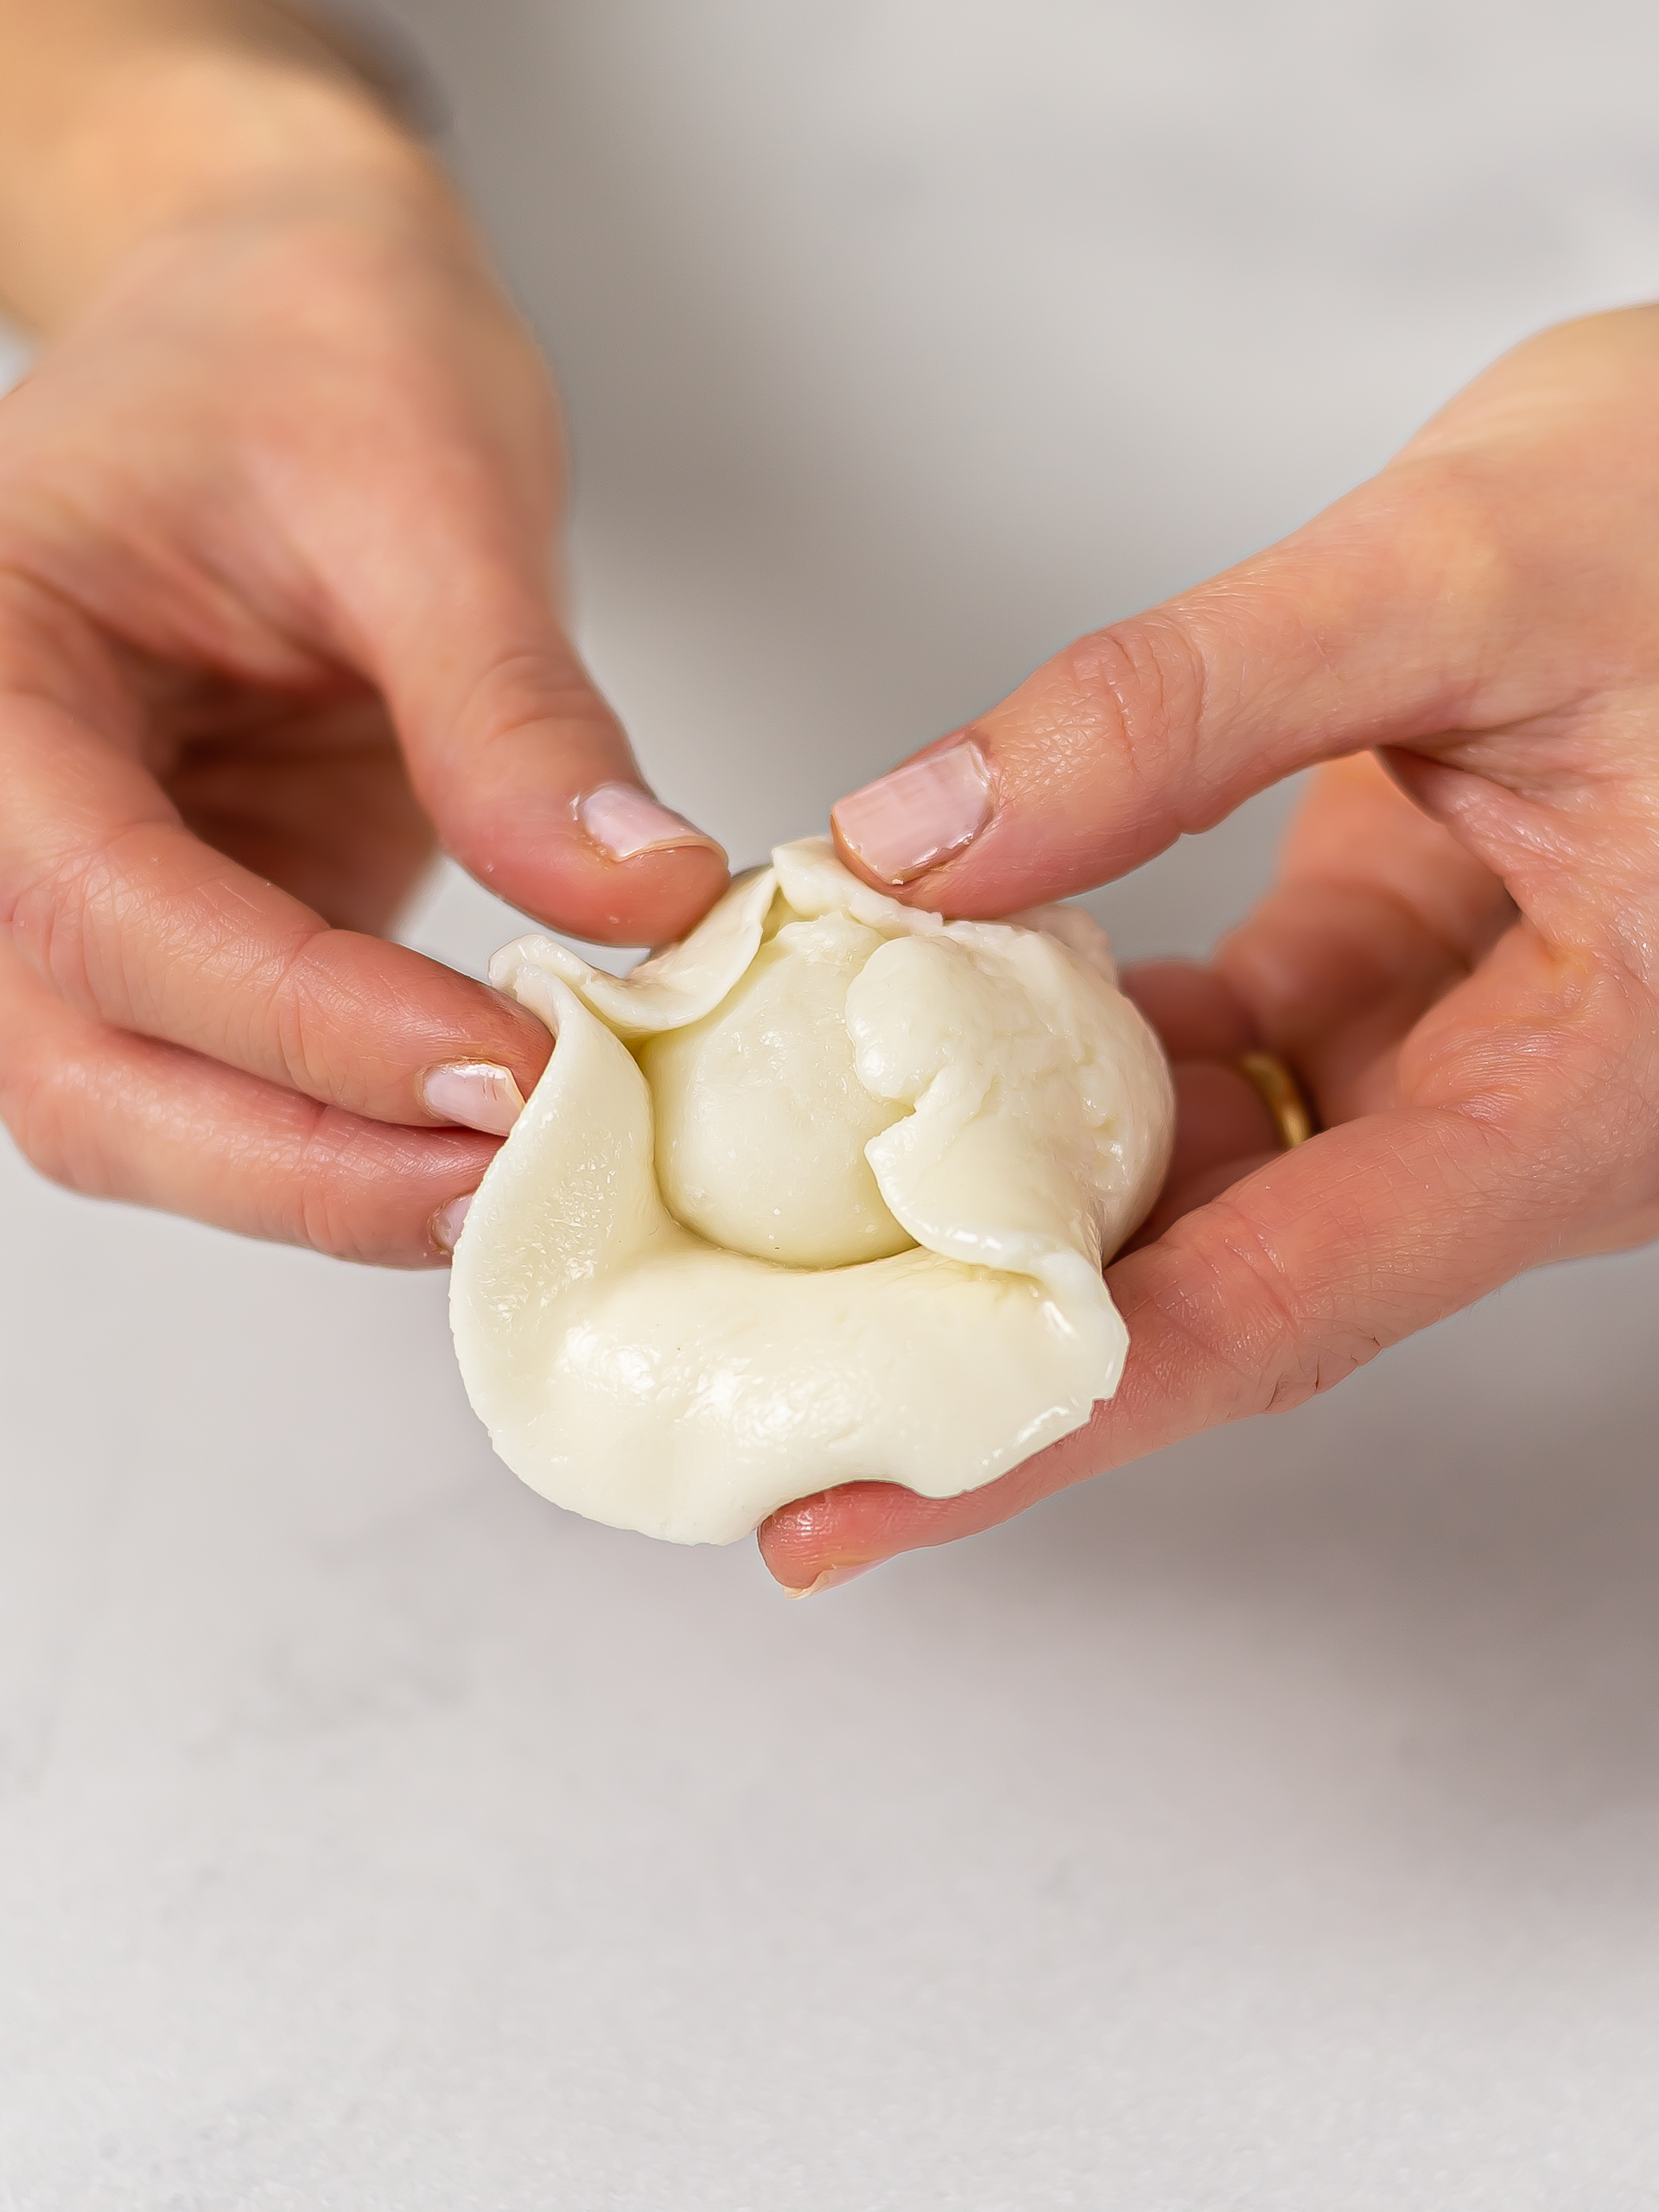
x=760, y=1119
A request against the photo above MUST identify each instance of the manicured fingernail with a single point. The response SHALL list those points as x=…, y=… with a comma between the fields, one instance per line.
x=475, y=1093
x=832, y=1577
x=919, y=814
x=446, y=1224
x=623, y=821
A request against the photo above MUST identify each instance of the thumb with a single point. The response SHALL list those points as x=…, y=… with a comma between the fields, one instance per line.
x=514, y=753
x=534, y=787
x=1370, y=627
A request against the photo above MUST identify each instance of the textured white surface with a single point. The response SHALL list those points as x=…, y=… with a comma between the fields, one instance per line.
x=1275, y=1825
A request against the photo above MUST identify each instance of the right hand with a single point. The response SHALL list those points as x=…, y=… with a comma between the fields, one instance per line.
x=1466, y=978
x=275, y=600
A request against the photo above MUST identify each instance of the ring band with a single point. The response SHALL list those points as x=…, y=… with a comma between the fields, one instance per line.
x=1276, y=1085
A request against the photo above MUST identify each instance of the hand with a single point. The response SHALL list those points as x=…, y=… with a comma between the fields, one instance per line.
x=1461, y=952
x=274, y=598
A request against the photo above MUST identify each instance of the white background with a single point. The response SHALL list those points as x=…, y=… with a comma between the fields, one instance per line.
x=1276, y=1824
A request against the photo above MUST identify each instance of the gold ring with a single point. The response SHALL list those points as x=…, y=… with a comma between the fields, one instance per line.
x=1276, y=1085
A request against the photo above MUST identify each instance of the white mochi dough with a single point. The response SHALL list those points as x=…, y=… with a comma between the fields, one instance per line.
x=822, y=1194
x=760, y=1117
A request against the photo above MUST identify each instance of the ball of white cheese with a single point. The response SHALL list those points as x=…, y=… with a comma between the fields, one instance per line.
x=761, y=1120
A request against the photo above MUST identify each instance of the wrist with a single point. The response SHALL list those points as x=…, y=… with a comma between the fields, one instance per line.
x=165, y=139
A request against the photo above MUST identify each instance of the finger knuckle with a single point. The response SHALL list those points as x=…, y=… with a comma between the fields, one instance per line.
x=1286, y=1341
x=340, y=1188
x=311, y=1007
x=363, y=1191
x=1146, y=680
x=72, y=924
x=42, y=1097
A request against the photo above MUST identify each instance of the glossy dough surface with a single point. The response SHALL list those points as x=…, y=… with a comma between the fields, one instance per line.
x=821, y=1194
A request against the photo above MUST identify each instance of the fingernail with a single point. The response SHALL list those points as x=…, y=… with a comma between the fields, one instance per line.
x=475, y=1093
x=446, y=1224
x=832, y=1577
x=623, y=821
x=919, y=814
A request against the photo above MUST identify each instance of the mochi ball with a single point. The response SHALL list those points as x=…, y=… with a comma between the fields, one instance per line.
x=821, y=1194
x=761, y=1122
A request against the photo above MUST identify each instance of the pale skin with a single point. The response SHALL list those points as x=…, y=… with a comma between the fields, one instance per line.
x=278, y=610
x=1461, y=956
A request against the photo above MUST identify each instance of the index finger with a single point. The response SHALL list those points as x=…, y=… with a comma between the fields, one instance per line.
x=439, y=583
x=1483, y=579
x=131, y=918
x=1339, y=640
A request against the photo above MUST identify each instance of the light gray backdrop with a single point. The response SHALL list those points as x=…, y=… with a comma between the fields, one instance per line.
x=1273, y=1825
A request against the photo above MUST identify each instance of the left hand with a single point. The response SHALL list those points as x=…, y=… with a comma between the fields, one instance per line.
x=277, y=608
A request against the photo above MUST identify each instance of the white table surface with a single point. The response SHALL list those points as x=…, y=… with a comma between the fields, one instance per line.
x=1275, y=1824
